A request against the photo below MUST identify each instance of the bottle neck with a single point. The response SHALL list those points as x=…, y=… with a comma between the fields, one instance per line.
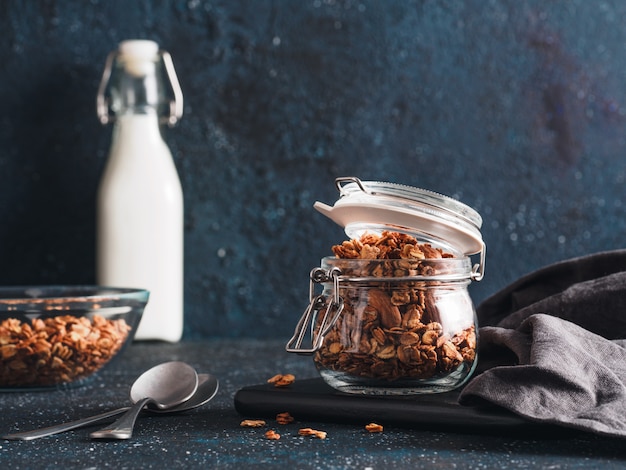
x=137, y=127
x=139, y=76
x=137, y=88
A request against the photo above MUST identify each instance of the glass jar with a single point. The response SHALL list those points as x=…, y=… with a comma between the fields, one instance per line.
x=396, y=326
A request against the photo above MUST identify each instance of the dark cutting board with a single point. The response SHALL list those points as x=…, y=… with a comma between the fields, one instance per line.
x=314, y=400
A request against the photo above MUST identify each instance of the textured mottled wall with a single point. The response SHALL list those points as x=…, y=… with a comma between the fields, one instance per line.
x=517, y=108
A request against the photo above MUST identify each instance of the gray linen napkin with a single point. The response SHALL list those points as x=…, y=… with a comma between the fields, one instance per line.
x=553, y=346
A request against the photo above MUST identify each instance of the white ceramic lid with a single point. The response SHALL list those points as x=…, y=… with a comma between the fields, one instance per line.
x=367, y=204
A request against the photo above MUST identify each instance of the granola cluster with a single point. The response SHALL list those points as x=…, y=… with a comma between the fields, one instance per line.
x=374, y=427
x=388, y=245
x=394, y=330
x=282, y=380
x=272, y=435
x=312, y=432
x=57, y=350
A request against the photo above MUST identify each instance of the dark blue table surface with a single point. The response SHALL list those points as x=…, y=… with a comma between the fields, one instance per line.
x=211, y=437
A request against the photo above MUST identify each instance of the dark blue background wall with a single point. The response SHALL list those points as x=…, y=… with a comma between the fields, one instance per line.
x=517, y=108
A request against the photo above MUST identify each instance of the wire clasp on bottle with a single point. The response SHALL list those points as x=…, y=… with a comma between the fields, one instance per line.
x=103, y=105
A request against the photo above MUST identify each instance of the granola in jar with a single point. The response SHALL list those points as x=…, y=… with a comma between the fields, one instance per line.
x=407, y=324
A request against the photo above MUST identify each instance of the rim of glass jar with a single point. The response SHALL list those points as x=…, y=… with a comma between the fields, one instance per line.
x=447, y=269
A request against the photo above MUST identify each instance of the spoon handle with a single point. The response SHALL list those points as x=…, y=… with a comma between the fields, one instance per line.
x=123, y=427
x=59, y=428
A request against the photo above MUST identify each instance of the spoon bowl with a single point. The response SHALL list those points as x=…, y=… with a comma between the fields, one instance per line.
x=208, y=386
x=167, y=384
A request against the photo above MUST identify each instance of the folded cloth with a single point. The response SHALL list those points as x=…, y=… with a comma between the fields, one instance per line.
x=554, y=348
x=589, y=291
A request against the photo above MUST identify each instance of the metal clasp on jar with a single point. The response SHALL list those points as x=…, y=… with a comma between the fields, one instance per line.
x=318, y=327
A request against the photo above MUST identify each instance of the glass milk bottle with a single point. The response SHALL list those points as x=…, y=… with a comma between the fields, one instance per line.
x=140, y=200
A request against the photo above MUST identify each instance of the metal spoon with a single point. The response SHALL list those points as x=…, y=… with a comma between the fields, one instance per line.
x=208, y=386
x=166, y=385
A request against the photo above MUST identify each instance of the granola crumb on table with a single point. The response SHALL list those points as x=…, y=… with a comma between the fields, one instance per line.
x=312, y=432
x=272, y=435
x=252, y=423
x=374, y=427
x=284, y=418
x=282, y=380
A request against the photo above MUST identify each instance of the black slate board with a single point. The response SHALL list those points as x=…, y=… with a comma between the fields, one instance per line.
x=314, y=400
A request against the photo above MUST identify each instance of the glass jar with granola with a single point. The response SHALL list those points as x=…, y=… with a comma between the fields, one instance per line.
x=394, y=316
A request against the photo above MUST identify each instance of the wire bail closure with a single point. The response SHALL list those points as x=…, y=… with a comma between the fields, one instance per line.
x=309, y=321
x=103, y=107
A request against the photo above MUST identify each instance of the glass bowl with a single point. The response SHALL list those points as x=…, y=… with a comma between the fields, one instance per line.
x=60, y=336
